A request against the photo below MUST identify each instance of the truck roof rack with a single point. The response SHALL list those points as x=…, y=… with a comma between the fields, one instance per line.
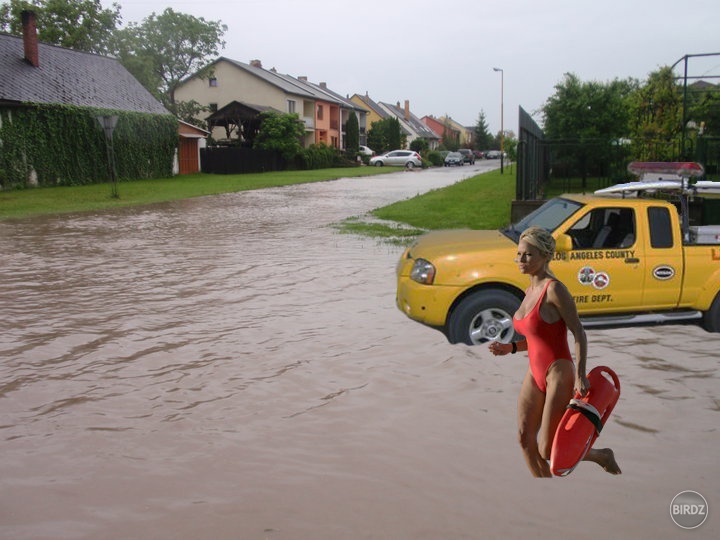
x=665, y=176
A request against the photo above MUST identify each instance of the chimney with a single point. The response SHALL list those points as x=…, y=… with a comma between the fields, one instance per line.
x=407, y=109
x=30, y=40
x=323, y=85
x=256, y=63
x=302, y=78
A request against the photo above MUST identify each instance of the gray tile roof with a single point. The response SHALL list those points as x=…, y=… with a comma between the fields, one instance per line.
x=373, y=106
x=413, y=121
x=70, y=77
x=291, y=85
x=344, y=102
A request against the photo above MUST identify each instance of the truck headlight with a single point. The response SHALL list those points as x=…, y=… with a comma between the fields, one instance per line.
x=423, y=272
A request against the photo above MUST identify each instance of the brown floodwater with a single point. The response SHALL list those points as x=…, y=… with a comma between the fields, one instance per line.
x=232, y=367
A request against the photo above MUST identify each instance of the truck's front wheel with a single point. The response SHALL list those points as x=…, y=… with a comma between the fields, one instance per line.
x=483, y=316
x=711, y=318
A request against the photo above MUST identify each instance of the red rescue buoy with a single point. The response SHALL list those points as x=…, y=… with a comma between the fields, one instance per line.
x=583, y=420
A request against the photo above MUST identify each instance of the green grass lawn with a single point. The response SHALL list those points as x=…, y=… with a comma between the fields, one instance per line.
x=480, y=202
x=57, y=200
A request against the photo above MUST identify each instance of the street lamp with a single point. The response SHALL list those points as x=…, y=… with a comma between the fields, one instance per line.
x=108, y=124
x=502, y=127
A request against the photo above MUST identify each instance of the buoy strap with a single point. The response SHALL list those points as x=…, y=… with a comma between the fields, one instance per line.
x=588, y=411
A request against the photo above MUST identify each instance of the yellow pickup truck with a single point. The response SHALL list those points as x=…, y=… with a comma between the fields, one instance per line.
x=625, y=258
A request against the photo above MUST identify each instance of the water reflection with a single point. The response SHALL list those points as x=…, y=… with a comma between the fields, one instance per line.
x=228, y=366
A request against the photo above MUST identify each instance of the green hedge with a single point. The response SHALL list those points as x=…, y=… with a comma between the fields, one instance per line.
x=321, y=156
x=65, y=145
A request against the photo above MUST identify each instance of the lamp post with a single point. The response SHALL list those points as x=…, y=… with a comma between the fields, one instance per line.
x=502, y=127
x=108, y=124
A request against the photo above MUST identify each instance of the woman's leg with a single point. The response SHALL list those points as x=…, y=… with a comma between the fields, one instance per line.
x=530, y=412
x=559, y=380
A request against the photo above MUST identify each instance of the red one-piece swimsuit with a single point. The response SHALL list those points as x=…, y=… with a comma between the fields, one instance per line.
x=546, y=342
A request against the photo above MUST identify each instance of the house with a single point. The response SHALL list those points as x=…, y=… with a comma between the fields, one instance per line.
x=411, y=124
x=347, y=107
x=192, y=139
x=467, y=134
x=323, y=112
x=69, y=87
x=375, y=111
x=444, y=130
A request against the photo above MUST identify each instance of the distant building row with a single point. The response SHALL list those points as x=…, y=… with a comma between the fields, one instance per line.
x=236, y=92
x=35, y=73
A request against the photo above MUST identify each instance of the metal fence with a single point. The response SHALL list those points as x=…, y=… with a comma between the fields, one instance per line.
x=570, y=164
x=238, y=160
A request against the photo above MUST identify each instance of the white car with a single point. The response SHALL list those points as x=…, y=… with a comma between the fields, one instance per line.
x=398, y=158
x=364, y=150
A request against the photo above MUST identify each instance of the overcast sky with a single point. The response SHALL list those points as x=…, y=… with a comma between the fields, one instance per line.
x=440, y=55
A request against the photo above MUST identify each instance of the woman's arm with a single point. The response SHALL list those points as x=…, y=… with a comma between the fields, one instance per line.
x=559, y=296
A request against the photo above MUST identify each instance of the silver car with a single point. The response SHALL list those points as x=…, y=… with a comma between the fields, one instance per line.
x=398, y=158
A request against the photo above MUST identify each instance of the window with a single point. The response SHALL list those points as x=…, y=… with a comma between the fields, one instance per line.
x=291, y=106
x=320, y=112
x=661, y=234
x=604, y=228
x=213, y=82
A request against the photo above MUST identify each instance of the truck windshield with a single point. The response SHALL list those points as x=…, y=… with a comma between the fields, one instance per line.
x=549, y=216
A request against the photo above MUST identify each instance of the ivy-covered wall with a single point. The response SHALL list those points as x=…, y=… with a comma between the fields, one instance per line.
x=50, y=145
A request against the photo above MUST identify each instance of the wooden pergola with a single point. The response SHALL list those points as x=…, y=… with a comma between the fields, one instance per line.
x=240, y=120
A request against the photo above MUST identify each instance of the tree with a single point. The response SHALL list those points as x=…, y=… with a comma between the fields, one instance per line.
x=385, y=135
x=656, y=117
x=420, y=145
x=705, y=110
x=83, y=25
x=510, y=145
x=585, y=119
x=483, y=139
x=167, y=48
x=588, y=110
x=281, y=133
x=190, y=111
x=352, y=134
x=395, y=138
x=450, y=137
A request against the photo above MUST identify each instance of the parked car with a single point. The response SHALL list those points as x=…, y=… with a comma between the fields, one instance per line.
x=492, y=154
x=454, y=158
x=398, y=158
x=468, y=155
x=365, y=151
x=478, y=154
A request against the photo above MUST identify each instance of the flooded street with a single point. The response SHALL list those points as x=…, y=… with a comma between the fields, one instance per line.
x=231, y=367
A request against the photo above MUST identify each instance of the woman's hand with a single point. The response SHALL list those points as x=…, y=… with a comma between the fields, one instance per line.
x=499, y=349
x=582, y=385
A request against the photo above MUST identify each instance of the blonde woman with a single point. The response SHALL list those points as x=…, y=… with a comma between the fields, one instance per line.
x=545, y=315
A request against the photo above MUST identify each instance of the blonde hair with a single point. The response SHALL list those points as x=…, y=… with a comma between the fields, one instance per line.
x=541, y=239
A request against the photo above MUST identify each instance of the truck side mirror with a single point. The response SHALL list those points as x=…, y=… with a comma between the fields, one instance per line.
x=563, y=243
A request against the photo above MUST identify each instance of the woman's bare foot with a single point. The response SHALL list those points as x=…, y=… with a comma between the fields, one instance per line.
x=604, y=457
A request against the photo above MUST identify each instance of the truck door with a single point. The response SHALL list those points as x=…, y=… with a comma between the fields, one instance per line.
x=664, y=259
x=605, y=269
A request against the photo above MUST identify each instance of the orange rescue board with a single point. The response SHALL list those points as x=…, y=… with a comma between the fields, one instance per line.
x=582, y=422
